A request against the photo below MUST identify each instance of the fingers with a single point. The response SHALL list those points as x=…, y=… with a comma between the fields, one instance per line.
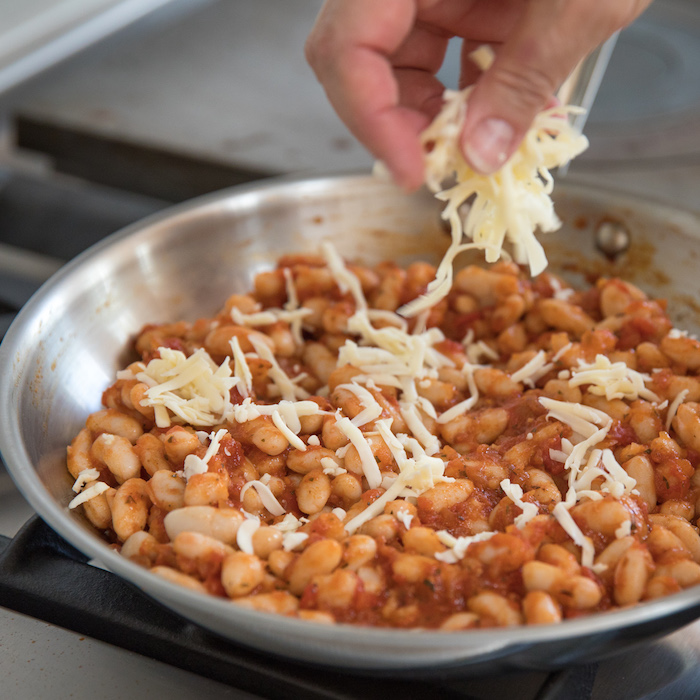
x=351, y=49
x=542, y=50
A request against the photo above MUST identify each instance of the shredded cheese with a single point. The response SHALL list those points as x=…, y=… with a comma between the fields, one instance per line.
x=614, y=380
x=193, y=389
x=673, y=408
x=266, y=496
x=89, y=493
x=200, y=465
x=509, y=204
x=515, y=493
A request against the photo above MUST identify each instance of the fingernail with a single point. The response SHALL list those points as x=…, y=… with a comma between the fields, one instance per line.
x=487, y=147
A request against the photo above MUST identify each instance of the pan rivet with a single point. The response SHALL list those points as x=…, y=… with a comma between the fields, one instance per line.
x=612, y=238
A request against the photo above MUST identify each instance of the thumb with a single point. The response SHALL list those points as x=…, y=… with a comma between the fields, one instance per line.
x=529, y=67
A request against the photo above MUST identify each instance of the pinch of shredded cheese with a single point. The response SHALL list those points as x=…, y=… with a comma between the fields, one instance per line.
x=193, y=389
x=613, y=380
x=89, y=493
x=509, y=204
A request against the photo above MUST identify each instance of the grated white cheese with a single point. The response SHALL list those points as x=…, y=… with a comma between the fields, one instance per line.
x=287, y=387
x=673, y=408
x=266, y=496
x=244, y=536
x=331, y=467
x=346, y=280
x=89, y=493
x=364, y=451
x=371, y=407
x=509, y=204
x=192, y=388
x=533, y=370
x=458, y=545
x=614, y=380
x=241, y=370
x=515, y=493
x=85, y=477
x=624, y=530
x=200, y=465
x=564, y=518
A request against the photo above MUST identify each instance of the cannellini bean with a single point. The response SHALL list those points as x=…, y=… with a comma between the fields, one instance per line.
x=616, y=296
x=359, y=551
x=112, y=421
x=130, y=508
x=496, y=383
x=460, y=621
x=565, y=316
x=659, y=586
x=78, y=453
x=199, y=547
x=685, y=572
x=422, y=540
x=208, y=489
x=487, y=286
x=119, y=456
x=220, y=523
x=319, y=617
x=279, y=602
x=683, y=350
x=97, y=510
x=279, y=562
x=445, y=494
x=682, y=529
x=604, y=516
x=241, y=573
x=413, y=568
x=178, y=443
x=540, y=608
x=337, y=590
x=313, y=492
x=151, y=452
x=167, y=490
x=686, y=423
x=302, y=462
x=612, y=554
x=558, y=556
x=175, y=576
x=383, y=526
x=218, y=341
x=141, y=547
x=578, y=592
x=265, y=541
x=347, y=488
x=631, y=575
x=641, y=470
x=539, y=576
x=482, y=427
x=496, y=607
x=319, y=558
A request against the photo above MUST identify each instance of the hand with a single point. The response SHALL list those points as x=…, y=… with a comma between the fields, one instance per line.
x=377, y=61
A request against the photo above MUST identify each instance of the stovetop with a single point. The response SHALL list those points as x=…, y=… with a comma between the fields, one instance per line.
x=66, y=624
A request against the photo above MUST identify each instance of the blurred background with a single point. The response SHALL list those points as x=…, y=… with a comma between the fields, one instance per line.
x=113, y=109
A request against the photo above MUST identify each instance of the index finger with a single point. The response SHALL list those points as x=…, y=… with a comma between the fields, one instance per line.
x=350, y=49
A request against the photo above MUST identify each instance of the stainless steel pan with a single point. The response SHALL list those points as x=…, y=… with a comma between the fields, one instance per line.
x=65, y=346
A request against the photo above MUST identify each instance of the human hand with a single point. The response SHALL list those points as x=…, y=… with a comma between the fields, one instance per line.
x=377, y=61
